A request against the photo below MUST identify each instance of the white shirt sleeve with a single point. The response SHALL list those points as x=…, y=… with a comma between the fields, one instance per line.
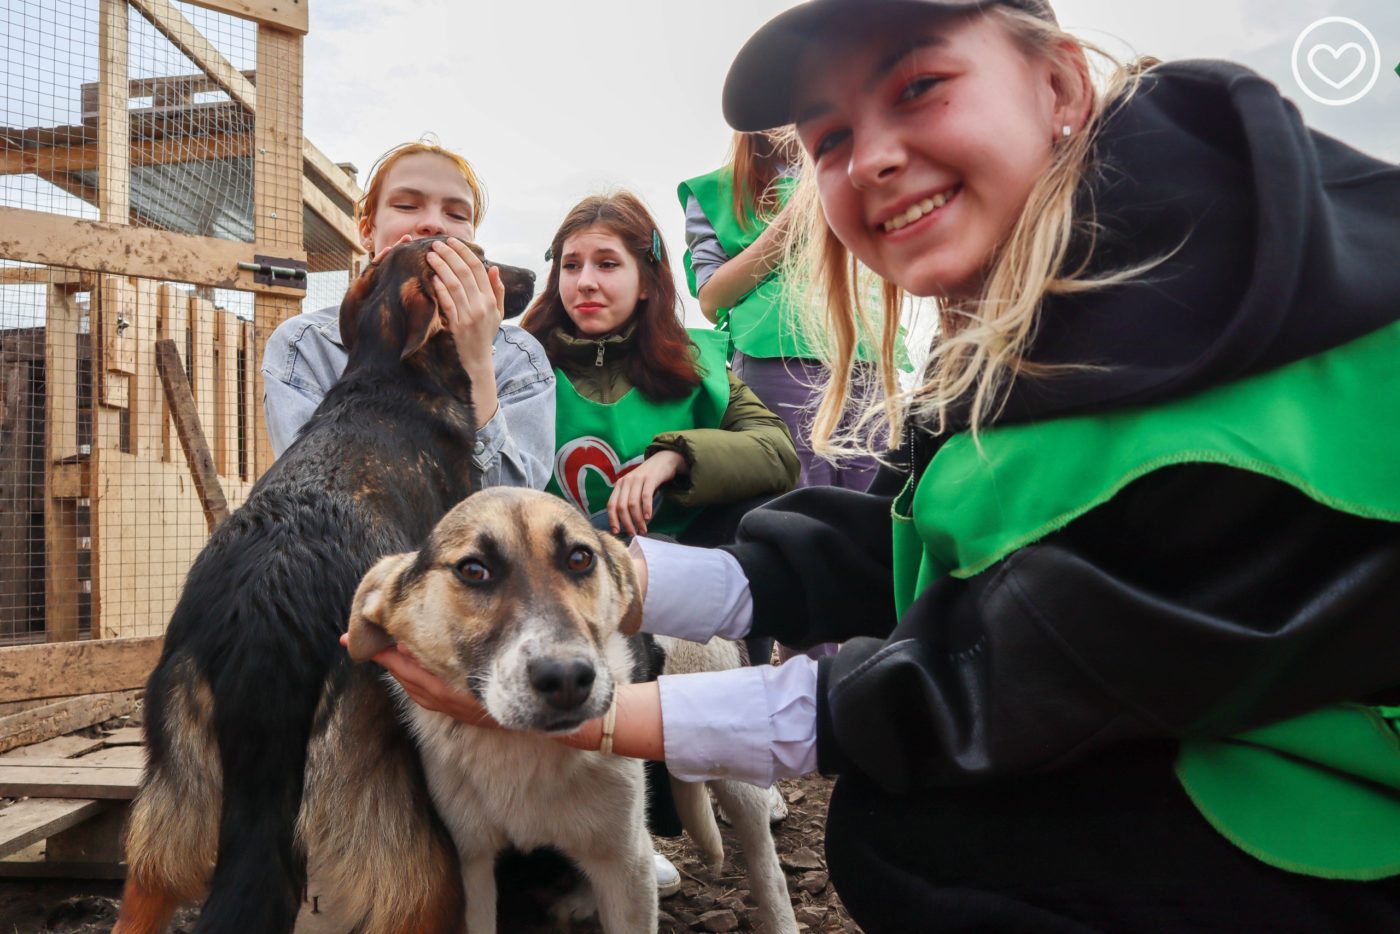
x=754, y=724
x=693, y=593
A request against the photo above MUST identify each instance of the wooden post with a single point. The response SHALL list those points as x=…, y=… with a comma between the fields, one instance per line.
x=225, y=426
x=277, y=187
x=110, y=392
x=192, y=439
x=60, y=445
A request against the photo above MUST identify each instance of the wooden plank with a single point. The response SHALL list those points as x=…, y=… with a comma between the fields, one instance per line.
x=126, y=736
x=247, y=439
x=113, y=121
x=44, y=765
x=70, y=481
x=114, y=308
x=172, y=323
x=201, y=368
x=27, y=822
x=29, y=869
x=68, y=781
x=225, y=424
x=18, y=487
x=53, y=239
x=282, y=14
x=192, y=440
x=183, y=34
x=145, y=401
x=60, y=747
x=59, y=160
x=60, y=443
x=277, y=187
x=98, y=840
x=64, y=669
x=50, y=720
x=337, y=219
x=45, y=275
x=333, y=174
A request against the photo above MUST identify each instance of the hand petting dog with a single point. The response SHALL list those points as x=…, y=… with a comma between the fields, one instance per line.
x=472, y=300
x=637, y=704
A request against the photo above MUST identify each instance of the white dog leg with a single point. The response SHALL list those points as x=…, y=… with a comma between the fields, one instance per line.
x=479, y=880
x=698, y=819
x=747, y=807
x=625, y=886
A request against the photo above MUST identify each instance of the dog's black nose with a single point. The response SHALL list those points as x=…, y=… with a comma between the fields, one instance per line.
x=564, y=684
x=530, y=274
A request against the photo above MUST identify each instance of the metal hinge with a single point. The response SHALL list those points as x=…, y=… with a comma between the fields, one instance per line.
x=277, y=270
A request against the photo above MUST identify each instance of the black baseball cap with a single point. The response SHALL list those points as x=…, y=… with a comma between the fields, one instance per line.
x=758, y=89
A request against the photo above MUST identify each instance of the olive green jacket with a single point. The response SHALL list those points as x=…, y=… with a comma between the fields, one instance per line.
x=750, y=454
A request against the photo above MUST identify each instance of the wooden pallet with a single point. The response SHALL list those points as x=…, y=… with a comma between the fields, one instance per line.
x=73, y=795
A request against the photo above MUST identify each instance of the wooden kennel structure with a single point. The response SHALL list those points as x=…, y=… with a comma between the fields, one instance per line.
x=143, y=197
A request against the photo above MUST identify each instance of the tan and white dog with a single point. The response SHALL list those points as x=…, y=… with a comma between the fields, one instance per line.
x=519, y=600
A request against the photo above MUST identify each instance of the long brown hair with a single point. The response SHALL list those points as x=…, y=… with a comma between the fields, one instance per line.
x=662, y=360
x=757, y=160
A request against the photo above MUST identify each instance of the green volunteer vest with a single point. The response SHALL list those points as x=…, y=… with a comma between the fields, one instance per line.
x=764, y=323
x=598, y=443
x=1318, y=794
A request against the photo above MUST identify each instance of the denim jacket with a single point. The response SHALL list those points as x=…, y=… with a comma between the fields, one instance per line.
x=304, y=357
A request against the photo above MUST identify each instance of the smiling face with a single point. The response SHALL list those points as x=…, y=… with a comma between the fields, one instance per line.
x=424, y=195
x=599, y=282
x=928, y=138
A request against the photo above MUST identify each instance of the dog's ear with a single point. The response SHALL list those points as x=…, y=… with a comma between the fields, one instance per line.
x=369, y=612
x=421, y=316
x=355, y=296
x=625, y=577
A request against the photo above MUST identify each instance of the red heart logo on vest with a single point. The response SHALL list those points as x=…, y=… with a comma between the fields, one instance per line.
x=577, y=458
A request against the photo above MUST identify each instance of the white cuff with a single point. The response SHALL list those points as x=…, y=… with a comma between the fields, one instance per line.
x=694, y=593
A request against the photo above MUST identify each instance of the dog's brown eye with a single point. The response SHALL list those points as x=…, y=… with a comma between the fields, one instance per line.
x=472, y=571
x=580, y=560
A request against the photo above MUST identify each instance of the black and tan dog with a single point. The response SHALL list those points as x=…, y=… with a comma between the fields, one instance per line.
x=265, y=743
x=519, y=600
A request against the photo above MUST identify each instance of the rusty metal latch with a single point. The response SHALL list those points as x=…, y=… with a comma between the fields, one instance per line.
x=277, y=270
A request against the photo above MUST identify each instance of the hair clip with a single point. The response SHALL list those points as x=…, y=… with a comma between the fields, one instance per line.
x=655, y=253
x=549, y=254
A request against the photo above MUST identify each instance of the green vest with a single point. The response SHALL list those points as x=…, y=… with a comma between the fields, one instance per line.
x=1317, y=794
x=763, y=323
x=598, y=443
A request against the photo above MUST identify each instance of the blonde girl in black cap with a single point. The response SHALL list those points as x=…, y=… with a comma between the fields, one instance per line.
x=1119, y=616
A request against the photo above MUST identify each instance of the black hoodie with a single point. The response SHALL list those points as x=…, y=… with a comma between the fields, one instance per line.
x=1182, y=606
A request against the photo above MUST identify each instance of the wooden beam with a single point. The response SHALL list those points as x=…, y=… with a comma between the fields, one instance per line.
x=57, y=160
x=326, y=209
x=337, y=177
x=54, y=240
x=43, y=275
x=277, y=191
x=113, y=121
x=35, y=819
x=61, y=322
x=192, y=440
x=289, y=15
x=186, y=37
x=65, y=716
x=67, y=781
x=64, y=669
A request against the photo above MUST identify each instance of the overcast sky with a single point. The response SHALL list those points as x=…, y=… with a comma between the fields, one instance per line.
x=555, y=99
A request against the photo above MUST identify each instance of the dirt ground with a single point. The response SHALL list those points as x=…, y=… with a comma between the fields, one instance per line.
x=720, y=905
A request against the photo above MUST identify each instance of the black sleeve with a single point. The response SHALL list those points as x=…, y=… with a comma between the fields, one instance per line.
x=1201, y=600
x=818, y=562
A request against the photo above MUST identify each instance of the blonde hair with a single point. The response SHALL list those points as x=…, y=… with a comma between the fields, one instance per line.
x=369, y=202
x=980, y=346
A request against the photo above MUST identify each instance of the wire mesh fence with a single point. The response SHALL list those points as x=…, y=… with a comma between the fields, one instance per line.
x=160, y=116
